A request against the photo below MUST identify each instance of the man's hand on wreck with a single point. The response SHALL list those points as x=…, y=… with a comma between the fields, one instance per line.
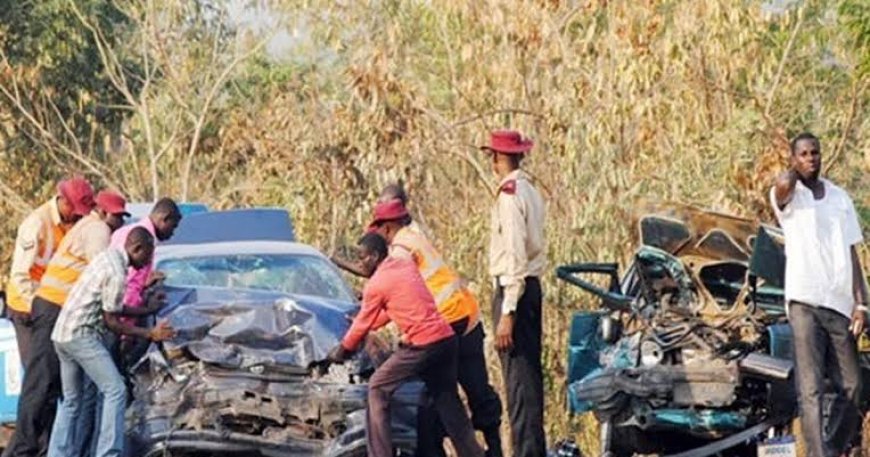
x=859, y=322
x=504, y=334
x=161, y=332
x=154, y=277
x=338, y=355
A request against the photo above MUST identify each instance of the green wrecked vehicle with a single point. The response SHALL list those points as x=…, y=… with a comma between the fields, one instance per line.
x=690, y=351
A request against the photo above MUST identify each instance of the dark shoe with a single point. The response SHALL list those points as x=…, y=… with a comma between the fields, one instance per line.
x=493, y=443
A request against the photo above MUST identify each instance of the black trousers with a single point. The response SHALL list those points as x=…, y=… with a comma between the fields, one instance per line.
x=435, y=364
x=23, y=324
x=126, y=353
x=824, y=347
x=40, y=388
x=483, y=401
x=523, y=373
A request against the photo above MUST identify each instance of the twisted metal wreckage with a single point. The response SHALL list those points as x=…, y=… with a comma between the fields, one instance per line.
x=690, y=353
x=242, y=376
x=237, y=379
x=688, y=356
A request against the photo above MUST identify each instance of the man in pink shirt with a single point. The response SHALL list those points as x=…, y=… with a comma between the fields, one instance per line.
x=396, y=292
x=161, y=223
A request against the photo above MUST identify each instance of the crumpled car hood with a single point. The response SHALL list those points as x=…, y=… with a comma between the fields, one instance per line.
x=241, y=329
x=237, y=379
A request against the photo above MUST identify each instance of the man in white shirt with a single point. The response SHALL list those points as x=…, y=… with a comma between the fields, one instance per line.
x=825, y=293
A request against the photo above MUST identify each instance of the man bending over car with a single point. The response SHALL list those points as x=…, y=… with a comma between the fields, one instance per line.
x=396, y=292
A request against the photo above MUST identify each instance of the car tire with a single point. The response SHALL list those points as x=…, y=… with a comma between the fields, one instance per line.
x=628, y=441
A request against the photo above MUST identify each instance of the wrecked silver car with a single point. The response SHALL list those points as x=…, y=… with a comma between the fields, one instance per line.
x=252, y=317
x=690, y=351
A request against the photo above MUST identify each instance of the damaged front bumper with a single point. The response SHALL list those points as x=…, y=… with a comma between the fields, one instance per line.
x=226, y=412
x=238, y=378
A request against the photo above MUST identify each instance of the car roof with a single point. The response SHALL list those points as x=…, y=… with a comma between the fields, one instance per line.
x=177, y=251
x=258, y=224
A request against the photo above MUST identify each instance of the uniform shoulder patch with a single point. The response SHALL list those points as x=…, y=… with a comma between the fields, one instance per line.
x=509, y=187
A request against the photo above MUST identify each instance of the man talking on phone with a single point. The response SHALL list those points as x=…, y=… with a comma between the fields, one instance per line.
x=825, y=294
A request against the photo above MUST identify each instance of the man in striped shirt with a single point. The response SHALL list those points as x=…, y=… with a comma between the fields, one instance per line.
x=95, y=303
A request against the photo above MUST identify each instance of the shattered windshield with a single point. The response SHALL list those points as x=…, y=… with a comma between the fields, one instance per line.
x=294, y=274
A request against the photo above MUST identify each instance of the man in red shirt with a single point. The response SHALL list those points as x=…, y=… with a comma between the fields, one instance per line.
x=396, y=292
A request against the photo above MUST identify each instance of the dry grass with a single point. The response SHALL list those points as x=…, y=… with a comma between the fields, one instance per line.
x=671, y=100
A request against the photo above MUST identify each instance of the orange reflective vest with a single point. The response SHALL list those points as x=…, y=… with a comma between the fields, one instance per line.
x=454, y=301
x=43, y=231
x=86, y=239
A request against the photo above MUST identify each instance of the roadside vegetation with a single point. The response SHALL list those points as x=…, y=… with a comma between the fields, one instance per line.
x=314, y=106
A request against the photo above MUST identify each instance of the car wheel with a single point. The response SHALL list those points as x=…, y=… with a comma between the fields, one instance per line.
x=628, y=440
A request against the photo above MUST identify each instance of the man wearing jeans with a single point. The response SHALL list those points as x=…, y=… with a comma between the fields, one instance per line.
x=94, y=303
x=825, y=292
x=161, y=223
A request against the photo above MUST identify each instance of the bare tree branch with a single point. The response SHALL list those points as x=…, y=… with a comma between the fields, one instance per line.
x=486, y=114
x=788, y=47
x=857, y=96
x=14, y=199
x=111, y=65
x=46, y=137
x=204, y=111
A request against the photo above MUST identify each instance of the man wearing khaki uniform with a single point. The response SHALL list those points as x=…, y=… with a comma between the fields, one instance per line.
x=517, y=260
x=38, y=236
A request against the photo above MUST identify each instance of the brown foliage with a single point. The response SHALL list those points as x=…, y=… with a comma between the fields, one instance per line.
x=673, y=100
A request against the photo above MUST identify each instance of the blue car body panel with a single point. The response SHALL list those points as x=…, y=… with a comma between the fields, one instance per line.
x=10, y=382
x=261, y=224
x=584, y=347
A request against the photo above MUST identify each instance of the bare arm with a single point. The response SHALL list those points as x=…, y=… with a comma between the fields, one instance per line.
x=137, y=311
x=116, y=325
x=350, y=267
x=784, y=187
x=160, y=332
x=155, y=301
